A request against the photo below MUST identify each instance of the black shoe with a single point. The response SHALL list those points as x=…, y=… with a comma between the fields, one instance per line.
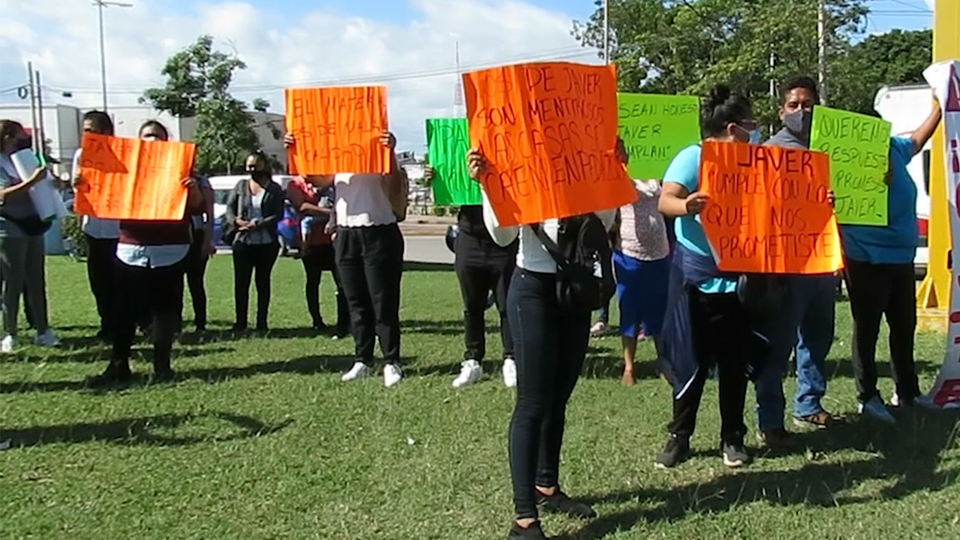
x=560, y=503
x=735, y=455
x=676, y=452
x=237, y=327
x=163, y=376
x=262, y=329
x=104, y=335
x=533, y=532
x=116, y=373
x=340, y=333
x=776, y=439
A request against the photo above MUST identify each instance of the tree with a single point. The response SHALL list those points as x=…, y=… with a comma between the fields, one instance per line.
x=894, y=58
x=688, y=46
x=197, y=86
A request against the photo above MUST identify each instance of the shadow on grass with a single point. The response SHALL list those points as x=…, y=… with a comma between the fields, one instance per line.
x=908, y=457
x=228, y=335
x=843, y=368
x=443, y=328
x=302, y=366
x=136, y=431
x=102, y=354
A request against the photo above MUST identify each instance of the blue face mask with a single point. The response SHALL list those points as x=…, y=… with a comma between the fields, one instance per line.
x=755, y=136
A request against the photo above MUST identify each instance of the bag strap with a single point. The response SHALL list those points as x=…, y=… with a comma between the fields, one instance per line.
x=552, y=248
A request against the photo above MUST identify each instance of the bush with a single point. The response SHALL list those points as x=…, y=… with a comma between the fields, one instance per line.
x=73, y=237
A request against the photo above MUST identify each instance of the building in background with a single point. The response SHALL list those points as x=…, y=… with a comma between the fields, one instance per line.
x=63, y=129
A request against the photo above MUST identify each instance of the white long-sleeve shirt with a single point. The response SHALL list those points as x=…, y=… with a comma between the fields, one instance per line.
x=532, y=255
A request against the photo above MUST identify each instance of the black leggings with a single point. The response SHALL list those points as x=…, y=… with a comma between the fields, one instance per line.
x=483, y=266
x=196, y=268
x=550, y=342
x=315, y=261
x=247, y=259
x=150, y=291
x=876, y=290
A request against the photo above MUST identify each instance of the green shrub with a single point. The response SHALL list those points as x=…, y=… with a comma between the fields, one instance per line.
x=73, y=236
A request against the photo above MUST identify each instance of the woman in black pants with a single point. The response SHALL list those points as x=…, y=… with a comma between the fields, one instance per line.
x=149, y=279
x=253, y=210
x=550, y=344
x=369, y=253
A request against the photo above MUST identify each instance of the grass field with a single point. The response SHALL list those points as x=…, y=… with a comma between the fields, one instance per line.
x=260, y=440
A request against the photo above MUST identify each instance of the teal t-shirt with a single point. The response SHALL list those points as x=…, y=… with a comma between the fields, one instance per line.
x=897, y=242
x=685, y=170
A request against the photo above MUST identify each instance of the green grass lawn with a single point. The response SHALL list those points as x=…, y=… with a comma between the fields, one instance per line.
x=261, y=440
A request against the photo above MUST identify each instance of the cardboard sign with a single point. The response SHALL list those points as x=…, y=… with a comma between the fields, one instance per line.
x=768, y=211
x=944, y=78
x=859, y=150
x=548, y=132
x=133, y=179
x=448, y=141
x=655, y=129
x=337, y=130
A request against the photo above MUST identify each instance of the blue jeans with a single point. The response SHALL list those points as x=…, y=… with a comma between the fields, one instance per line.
x=807, y=326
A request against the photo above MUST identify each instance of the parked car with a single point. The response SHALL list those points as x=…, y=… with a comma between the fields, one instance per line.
x=289, y=230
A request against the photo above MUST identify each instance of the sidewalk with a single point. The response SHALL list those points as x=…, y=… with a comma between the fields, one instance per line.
x=426, y=225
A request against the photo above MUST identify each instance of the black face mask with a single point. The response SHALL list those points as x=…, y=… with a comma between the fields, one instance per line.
x=259, y=175
x=799, y=123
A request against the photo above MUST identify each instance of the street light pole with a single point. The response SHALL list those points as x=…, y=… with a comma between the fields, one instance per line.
x=103, y=55
x=606, y=31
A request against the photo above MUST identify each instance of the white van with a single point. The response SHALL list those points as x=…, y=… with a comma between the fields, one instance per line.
x=906, y=107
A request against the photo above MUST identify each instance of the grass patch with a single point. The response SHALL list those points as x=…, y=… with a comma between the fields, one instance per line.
x=260, y=440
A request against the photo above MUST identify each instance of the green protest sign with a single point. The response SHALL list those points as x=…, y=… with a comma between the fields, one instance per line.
x=859, y=150
x=448, y=141
x=655, y=129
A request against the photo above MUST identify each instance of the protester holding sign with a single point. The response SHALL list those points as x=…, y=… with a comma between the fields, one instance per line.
x=100, y=235
x=22, y=270
x=482, y=267
x=807, y=318
x=149, y=273
x=369, y=255
x=706, y=323
x=881, y=281
x=550, y=342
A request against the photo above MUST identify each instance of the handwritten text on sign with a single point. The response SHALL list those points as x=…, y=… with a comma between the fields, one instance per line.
x=338, y=130
x=132, y=178
x=768, y=210
x=859, y=150
x=548, y=132
x=655, y=129
x=448, y=141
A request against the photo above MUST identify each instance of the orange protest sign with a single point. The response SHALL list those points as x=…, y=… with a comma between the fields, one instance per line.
x=548, y=132
x=133, y=178
x=768, y=211
x=337, y=130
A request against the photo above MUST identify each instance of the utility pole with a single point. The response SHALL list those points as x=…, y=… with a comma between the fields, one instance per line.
x=103, y=55
x=822, y=46
x=606, y=31
x=33, y=106
x=458, y=87
x=41, y=134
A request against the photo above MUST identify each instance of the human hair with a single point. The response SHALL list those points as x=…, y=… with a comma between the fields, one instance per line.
x=724, y=108
x=261, y=158
x=9, y=129
x=99, y=121
x=155, y=124
x=804, y=82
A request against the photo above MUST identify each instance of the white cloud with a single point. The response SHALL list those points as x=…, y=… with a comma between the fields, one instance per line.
x=307, y=49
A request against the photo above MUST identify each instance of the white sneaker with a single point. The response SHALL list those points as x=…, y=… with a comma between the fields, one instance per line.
x=509, y=373
x=470, y=372
x=8, y=345
x=391, y=375
x=47, y=339
x=358, y=371
x=895, y=400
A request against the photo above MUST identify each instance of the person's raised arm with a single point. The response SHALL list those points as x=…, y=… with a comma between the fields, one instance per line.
x=318, y=180
x=503, y=236
x=22, y=188
x=927, y=128
x=679, y=196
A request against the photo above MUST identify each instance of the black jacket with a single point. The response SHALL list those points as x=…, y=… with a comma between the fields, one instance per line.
x=240, y=204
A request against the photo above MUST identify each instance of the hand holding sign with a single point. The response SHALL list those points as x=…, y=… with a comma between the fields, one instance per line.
x=548, y=131
x=769, y=211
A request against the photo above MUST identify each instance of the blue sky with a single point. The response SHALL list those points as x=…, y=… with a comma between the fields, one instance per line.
x=407, y=44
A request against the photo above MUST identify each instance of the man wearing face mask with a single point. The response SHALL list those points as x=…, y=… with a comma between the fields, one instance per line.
x=807, y=325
